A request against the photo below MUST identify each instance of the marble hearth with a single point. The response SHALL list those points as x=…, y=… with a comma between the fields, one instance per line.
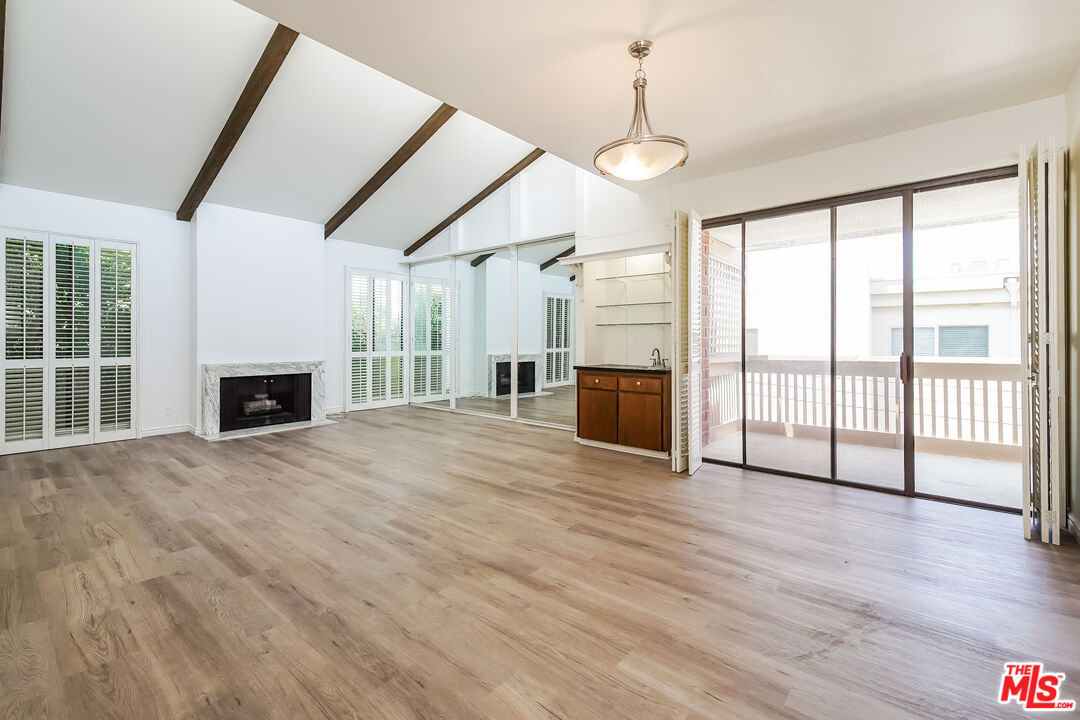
x=211, y=394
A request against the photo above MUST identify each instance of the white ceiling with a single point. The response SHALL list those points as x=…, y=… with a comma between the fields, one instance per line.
x=744, y=81
x=453, y=166
x=121, y=100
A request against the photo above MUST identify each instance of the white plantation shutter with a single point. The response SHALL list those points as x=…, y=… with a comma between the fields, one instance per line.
x=376, y=340
x=556, y=340
x=116, y=333
x=693, y=330
x=71, y=340
x=429, y=378
x=24, y=341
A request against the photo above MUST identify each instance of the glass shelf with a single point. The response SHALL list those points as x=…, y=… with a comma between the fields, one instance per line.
x=627, y=324
x=661, y=302
x=639, y=275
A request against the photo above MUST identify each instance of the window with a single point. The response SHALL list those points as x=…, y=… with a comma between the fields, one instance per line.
x=556, y=340
x=69, y=341
x=924, y=341
x=964, y=341
x=430, y=379
x=376, y=328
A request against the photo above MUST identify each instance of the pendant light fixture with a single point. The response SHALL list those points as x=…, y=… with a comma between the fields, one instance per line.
x=641, y=155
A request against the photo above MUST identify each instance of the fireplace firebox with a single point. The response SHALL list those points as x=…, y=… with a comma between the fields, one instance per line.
x=526, y=377
x=259, y=400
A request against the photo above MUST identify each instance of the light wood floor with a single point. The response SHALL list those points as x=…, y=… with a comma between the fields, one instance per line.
x=411, y=563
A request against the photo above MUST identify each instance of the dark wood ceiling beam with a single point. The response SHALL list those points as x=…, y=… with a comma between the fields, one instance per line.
x=399, y=158
x=476, y=200
x=548, y=263
x=479, y=259
x=265, y=70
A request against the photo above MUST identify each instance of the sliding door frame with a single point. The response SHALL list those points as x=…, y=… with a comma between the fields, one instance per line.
x=907, y=193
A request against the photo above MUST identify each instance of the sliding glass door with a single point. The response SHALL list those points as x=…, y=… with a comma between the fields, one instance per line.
x=869, y=398
x=968, y=384
x=878, y=340
x=788, y=326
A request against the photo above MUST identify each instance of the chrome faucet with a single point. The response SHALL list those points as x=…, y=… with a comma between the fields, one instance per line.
x=657, y=361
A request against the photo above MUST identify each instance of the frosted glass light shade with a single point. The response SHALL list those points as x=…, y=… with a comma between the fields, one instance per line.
x=641, y=158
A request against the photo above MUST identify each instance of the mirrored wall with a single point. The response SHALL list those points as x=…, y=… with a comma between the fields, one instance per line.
x=474, y=313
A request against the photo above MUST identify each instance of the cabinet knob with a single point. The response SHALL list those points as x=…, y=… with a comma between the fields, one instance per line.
x=638, y=382
x=596, y=380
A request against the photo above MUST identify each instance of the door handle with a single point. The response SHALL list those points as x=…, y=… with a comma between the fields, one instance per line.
x=904, y=368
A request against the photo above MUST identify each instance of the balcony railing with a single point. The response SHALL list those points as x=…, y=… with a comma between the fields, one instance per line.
x=967, y=407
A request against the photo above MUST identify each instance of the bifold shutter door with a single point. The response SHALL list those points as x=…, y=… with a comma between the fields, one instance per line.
x=71, y=397
x=24, y=343
x=694, y=349
x=359, y=341
x=116, y=343
x=376, y=358
x=69, y=341
x=421, y=296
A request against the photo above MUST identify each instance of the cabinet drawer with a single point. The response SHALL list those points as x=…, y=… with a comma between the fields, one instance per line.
x=640, y=384
x=598, y=382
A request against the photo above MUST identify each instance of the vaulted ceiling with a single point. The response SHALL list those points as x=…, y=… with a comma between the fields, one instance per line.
x=122, y=100
x=744, y=81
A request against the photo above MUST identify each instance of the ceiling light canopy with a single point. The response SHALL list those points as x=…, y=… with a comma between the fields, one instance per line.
x=641, y=155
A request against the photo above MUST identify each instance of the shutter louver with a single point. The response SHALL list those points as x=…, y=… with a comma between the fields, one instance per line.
x=378, y=379
x=24, y=396
x=72, y=301
x=359, y=380
x=115, y=398
x=24, y=278
x=71, y=404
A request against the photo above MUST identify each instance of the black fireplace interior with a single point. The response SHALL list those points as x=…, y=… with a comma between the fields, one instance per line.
x=526, y=377
x=248, y=402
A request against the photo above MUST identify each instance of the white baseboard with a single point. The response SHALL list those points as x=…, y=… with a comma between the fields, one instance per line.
x=335, y=411
x=623, y=448
x=169, y=430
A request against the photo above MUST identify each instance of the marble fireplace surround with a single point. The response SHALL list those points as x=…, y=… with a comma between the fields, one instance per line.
x=211, y=394
x=505, y=357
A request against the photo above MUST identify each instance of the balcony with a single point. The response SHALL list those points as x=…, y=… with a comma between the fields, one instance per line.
x=968, y=422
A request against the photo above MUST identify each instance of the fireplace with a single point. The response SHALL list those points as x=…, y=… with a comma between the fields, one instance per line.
x=526, y=379
x=259, y=400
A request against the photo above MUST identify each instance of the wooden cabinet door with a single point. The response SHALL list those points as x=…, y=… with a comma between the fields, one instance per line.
x=641, y=420
x=598, y=412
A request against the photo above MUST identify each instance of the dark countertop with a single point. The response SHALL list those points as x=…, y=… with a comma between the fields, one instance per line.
x=626, y=368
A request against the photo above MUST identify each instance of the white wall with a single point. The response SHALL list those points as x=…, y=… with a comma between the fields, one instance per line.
x=164, y=297
x=987, y=140
x=339, y=256
x=260, y=284
x=537, y=203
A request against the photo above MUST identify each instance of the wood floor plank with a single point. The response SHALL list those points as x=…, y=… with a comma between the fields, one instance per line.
x=409, y=562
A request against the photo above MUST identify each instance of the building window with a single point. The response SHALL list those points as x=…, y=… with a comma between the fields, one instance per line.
x=964, y=341
x=924, y=341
